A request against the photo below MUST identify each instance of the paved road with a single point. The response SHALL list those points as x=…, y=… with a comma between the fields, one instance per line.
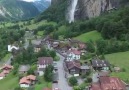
x=62, y=84
x=8, y=62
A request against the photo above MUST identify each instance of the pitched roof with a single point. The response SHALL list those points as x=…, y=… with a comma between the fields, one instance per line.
x=76, y=52
x=109, y=83
x=24, y=80
x=72, y=64
x=27, y=79
x=7, y=67
x=45, y=60
x=24, y=68
x=31, y=77
x=100, y=63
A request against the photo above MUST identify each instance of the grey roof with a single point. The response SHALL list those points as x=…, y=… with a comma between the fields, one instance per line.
x=100, y=63
x=36, y=42
x=24, y=68
x=85, y=67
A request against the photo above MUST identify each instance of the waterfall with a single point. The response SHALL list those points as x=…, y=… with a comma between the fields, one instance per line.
x=72, y=10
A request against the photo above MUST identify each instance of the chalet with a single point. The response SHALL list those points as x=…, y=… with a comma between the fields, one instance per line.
x=73, y=67
x=43, y=62
x=23, y=69
x=27, y=81
x=7, y=67
x=108, y=83
x=5, y=71
x=85, y=69
x=37, y=45
x=100, y=64
x=73, y=55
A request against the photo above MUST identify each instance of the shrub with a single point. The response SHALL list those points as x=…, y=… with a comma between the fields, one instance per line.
x=73, y=81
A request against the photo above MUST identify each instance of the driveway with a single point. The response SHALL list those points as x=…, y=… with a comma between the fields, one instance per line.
x=62, y=83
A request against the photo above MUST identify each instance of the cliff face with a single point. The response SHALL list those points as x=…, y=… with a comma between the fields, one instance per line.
x=92, y=8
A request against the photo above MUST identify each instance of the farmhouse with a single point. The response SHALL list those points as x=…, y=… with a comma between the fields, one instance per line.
x=27, y=81
x=43, y=62
x=100, y=64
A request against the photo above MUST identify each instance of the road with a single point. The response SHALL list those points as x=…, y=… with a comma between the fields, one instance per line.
x=62, y=83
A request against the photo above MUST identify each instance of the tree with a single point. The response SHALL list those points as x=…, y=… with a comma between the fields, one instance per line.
x=48, y=74
x=73, y=81
x=52, y=53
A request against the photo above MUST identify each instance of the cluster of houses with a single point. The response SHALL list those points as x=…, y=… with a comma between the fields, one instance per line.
x=5, y=70
x=71, y=50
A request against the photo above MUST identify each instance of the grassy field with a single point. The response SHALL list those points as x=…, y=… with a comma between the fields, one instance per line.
x=120, y=59
x=93, y=35
x=43, y=84
x=7, y=56
x=40, y=33
x=9, y=83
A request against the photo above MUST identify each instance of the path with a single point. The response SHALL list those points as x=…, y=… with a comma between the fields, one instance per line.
x=62, y=83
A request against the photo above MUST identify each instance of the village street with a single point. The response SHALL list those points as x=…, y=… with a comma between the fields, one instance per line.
x=62, y=83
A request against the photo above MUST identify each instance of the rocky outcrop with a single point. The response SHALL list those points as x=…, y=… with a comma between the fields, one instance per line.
x=91, y=8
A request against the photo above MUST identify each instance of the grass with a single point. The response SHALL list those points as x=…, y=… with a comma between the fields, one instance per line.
x=93, y=35
x=35, y=25
x=7, y=56
x=40, y=33
x=121, y=60
x=9, y=83
x=43, y=84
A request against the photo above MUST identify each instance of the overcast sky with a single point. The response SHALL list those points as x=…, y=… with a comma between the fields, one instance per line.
x=33, y=0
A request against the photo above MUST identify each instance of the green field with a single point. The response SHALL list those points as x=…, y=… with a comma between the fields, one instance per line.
x=9, y=83
x=43, y=84
x=93, y=35
x=121, y=60
x=7, y=56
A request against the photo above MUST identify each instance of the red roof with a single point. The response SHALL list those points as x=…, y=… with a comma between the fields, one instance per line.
x=72, y=64
x=76, y=52
x=82, y=45
x=7, y=67
x=27, y=79
x=109, y=83
x=45, y=60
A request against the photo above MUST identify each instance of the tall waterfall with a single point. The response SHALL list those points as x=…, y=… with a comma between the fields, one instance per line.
x=72, y=10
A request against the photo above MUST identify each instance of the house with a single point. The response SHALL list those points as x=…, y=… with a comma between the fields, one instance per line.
x=27, y=81
x=2, y=75
x=43, y=62
x=37, y=45
x=100, y=64
x=7, y=67
x=85, y=69
x=73, y=55
x=11, y=47
x=23, y=69
x=73, y=67
x=108, y=83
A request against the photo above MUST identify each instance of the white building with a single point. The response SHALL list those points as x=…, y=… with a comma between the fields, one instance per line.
x=73, y=55
x=42, y=63
x=10, y=48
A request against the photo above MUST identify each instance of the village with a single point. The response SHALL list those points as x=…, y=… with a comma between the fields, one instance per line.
x=69, y=69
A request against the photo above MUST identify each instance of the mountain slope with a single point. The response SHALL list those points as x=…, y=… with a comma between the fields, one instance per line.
x=17, y=9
